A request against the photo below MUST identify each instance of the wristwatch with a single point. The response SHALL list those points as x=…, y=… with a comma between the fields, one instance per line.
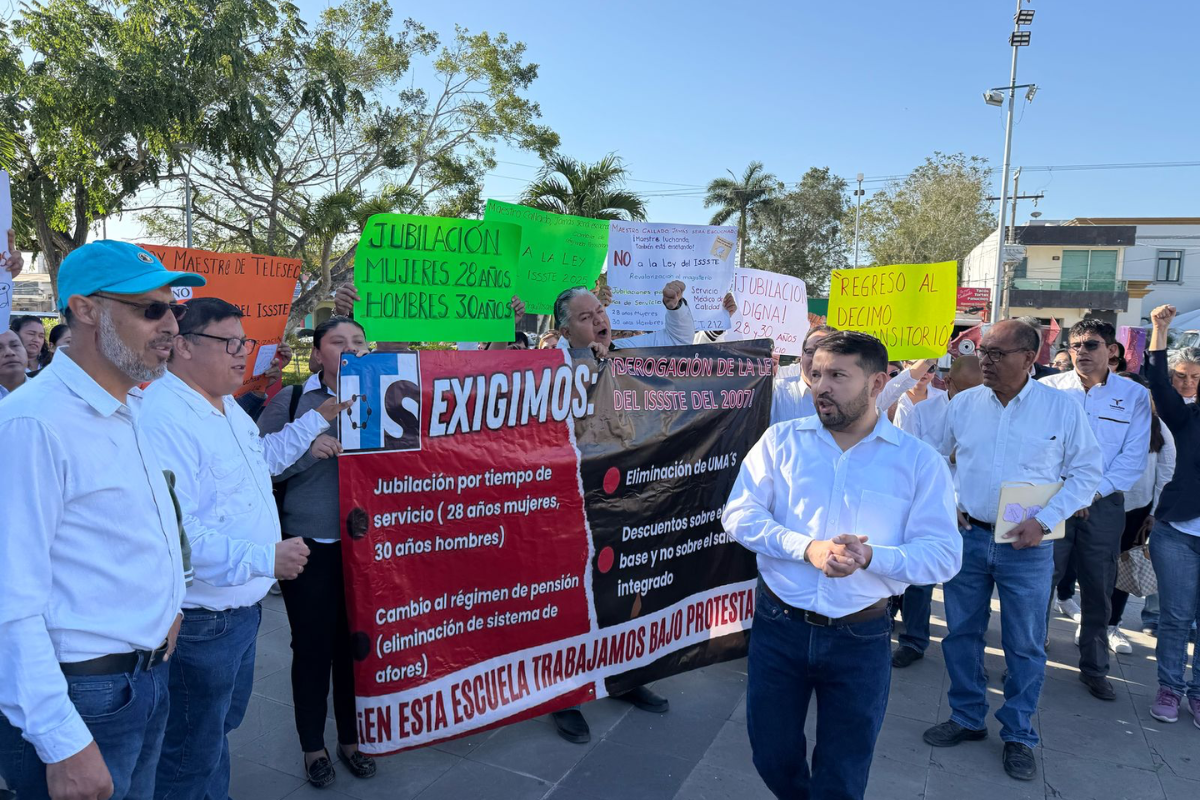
x=1097, y=498
x=1045, y=528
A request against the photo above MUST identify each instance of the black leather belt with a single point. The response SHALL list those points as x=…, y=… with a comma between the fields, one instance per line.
x=873, y=611
x=978, y=523
x=117, y=664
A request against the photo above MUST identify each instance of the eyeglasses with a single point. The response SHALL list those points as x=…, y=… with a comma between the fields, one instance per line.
x=1090, y=345
x=995, y=354
x=153, y=311
x=233, y=344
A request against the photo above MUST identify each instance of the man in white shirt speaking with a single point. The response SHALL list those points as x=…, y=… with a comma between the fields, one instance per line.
x=844, y=510
x=1118, y=411
x=91, y=567
x=1011, y=429
x=223, y=481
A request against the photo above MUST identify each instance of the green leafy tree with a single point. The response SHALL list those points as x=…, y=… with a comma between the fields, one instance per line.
x=112, y=94
x=569, y=186
x=801, y=232
x=939, y=212
x=744, y=198
x=401, y=146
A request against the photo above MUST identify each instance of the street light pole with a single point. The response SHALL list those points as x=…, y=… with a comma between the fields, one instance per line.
x=858, y=195
x=998, y=291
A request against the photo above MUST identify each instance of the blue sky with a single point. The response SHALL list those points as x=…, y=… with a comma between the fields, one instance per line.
x=684, y=90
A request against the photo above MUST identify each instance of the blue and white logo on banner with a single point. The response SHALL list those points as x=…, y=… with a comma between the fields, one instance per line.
x=385, y=390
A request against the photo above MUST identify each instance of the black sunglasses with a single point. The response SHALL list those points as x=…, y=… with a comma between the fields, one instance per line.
x=153, y=311
x=1089, y=345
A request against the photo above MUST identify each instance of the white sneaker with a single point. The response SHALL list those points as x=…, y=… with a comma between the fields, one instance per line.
x=1077, y=630
x=1069, y=608
x=1117, y=641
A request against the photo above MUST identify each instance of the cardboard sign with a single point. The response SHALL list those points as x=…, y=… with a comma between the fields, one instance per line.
x=558, y=251
x=432, y=279
x=538, y=532
x=908, y=307
x=261, y=286
x=770, y=306
x=643, y=257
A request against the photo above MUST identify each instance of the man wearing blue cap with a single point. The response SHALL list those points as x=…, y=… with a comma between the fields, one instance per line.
x=90, y=555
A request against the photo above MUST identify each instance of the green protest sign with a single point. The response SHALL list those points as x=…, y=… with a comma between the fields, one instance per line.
x=436, y=279
x=558, y=251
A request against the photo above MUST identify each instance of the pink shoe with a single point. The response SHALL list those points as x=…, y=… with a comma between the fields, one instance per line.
x=1166, y=706
x=1194, y=707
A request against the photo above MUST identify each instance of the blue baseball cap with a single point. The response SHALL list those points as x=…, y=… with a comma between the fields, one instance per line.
x=117, y=268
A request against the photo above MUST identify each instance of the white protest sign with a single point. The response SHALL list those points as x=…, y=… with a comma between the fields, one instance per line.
x=770, y=306
x=262, y=362
x=644, y=256
x=6, y=283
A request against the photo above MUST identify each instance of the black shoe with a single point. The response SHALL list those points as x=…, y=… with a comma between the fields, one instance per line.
x=1018, y=761
x=320, y=772
x=646, y=700
x=1098, y=686
x=360, y=765
x=950, y=733
x=572, y=726
x=905, y=656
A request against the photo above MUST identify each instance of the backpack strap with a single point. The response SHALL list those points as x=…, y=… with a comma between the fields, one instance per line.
x=294, y=403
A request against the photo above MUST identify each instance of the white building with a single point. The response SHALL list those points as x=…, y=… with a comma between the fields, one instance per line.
x=1070, y=270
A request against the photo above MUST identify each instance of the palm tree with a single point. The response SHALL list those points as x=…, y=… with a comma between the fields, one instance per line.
x=755, y=190
x=568, y=186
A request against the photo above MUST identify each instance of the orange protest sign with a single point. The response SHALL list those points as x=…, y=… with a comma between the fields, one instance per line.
x=261, y=286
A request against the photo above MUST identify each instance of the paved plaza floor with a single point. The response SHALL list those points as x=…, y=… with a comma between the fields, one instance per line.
x=699, y=750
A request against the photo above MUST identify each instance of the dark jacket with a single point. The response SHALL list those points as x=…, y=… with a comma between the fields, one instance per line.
x=1181, y=498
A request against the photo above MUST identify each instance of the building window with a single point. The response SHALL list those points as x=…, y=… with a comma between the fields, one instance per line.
x=1088, y=270
x=1169, y=266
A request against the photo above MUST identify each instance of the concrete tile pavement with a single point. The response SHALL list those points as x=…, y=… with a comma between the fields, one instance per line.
x=700, y=750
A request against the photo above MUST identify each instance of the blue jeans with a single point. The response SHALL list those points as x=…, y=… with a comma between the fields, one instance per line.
x=1023, y=578
x=126, y=715
x=1176, y=559
x=212, y=675
x=1150, y=611
x=915, y=613
x=849, y=669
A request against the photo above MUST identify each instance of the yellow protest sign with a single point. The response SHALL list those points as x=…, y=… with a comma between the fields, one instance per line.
x=908, y=307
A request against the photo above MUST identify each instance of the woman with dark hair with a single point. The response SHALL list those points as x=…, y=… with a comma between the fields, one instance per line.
x=316, y=600
x=60, y=337
x=33, y=336
x=1139, y=507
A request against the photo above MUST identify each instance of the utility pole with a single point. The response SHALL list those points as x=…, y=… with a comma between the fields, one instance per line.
x=1017, y=39
x=187, y=202
x=858, y=195
x=1012, y=224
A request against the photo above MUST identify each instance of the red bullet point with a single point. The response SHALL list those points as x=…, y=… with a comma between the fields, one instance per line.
x=604, y=560
x=612, y=479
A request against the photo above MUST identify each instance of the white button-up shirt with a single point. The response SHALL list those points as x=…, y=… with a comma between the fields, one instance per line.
x=925, y=420
x=797, y=485
x=791, y=397
x=90, y=560
x=905, y=407
x=1041, y=436
x=1160, y=468
x=223, y=472
x=1118, y=411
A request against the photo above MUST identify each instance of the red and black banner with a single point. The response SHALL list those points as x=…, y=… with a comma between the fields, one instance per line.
x=533, y=532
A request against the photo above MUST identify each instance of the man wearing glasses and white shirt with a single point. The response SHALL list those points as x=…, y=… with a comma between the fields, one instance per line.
x=1011, y=429
x=91, y=564
x=1118, y=411
x=223, y=481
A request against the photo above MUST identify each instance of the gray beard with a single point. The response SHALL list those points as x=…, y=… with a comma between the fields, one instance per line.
x=122, y=357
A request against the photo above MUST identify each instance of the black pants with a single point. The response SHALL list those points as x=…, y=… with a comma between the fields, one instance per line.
x=316, y=609
x=1066, y=586
x=1133, y=524
x=1093, y=544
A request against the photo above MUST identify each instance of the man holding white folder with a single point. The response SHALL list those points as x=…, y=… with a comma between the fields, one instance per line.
x=1010, y=430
